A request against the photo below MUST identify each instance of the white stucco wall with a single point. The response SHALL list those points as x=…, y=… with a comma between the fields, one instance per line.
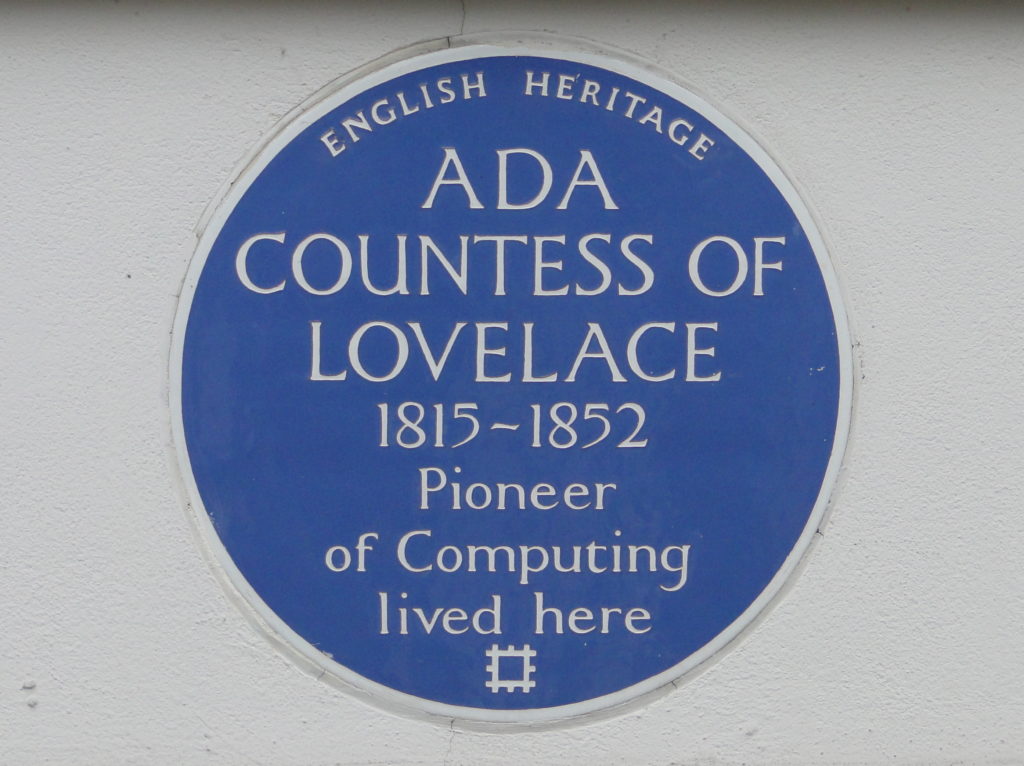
x=899, y=643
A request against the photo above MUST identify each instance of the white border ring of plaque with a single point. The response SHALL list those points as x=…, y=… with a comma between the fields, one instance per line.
x=195, y=447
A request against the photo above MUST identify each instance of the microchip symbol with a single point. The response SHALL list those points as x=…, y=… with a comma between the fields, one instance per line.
x=521, y=684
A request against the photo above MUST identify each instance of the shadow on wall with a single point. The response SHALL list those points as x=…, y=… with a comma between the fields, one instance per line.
x=615, y=10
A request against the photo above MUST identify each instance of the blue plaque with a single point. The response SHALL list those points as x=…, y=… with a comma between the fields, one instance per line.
x=510, y=381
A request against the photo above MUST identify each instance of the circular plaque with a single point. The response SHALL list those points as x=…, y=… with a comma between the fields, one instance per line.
x=510, y=381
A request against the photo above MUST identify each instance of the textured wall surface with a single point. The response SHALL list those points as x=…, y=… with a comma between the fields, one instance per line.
x=899, y=643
